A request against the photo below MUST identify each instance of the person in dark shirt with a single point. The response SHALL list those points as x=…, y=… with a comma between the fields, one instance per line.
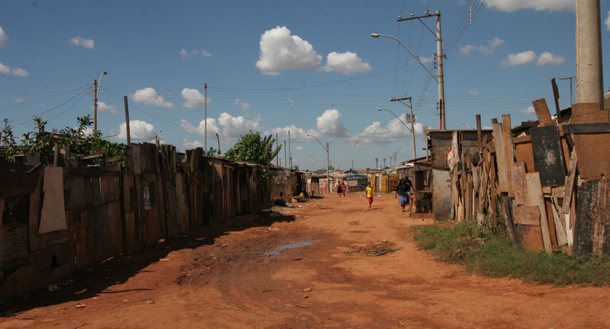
x=402, y=192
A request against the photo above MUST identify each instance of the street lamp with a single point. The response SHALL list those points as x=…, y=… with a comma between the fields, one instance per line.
x=396, y=156
x=440, y=80
x=327, y=160
x=96, y=92
x=464, y=123
x=410, y=129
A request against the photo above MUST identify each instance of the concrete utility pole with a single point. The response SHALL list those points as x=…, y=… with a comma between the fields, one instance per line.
x=412, y=120
x=440, y=79
x=589, y=64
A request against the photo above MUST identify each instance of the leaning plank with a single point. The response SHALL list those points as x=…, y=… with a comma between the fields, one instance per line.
x=542, y=111
x=562, y=238
x=500, y=157
x=569, y=193
x=534, y=188
x=509, y=152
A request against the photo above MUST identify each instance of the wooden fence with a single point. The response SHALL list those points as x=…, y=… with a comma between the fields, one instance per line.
x=56, y=221
x=548, y=184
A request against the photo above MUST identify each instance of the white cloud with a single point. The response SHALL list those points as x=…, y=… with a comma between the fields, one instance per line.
x=346, y=63
x=485, y=50
x=3, y=38
x=149, y=97
x=607, y=22
x=80, y=41
x=138, y=130
x=549, y=59
x=519, y=59
x=103, y=107
x=186, y=54
x=194, y=99
x=234, y=127
x=16, y=71
x=244, y=106
x=20, y=72
x=191, y=144
x=297, y=134
x=473, y=92
x=299, y=148
x=529, y=110
x=4, y=69
x=200, y=130
x=376, y=134
x=514, y=5
x=281, y=51
x=331, y=124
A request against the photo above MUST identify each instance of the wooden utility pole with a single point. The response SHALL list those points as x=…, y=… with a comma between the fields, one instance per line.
x=94, y=106
x=127, y=121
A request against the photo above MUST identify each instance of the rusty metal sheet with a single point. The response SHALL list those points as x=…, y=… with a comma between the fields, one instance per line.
x=592, y=218
x=593, y=150
x=529, y=237
x=525, y=153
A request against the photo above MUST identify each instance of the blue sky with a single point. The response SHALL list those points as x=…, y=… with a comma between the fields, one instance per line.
x=308, y=67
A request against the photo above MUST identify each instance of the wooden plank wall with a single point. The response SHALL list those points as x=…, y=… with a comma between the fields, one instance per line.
x=548, y=199
x=109, y=212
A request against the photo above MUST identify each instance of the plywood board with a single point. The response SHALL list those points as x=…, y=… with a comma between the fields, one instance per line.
x=535, y=196
x=548, y=155
x=593, y=218
x=542, y=112
x=500, y=157
x=527, y=215
x=593, y=149
x=53, y=215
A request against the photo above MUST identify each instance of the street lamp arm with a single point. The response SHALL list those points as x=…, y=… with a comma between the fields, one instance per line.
x=377, y=35
x=318, y=142
x=396, y=118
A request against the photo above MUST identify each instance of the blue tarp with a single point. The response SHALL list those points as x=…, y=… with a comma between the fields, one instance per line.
x=355, y=176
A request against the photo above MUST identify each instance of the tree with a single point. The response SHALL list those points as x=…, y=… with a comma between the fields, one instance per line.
x=252, y=148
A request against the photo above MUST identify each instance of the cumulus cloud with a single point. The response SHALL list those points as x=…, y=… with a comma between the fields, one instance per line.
x=200, y=129
x=526, y=57
x=529, y=110
x=149, y=97
x=3, y=38
x=377, y=134
x=82, y=42
x=519, y=59
x=234, y=127
x=485, y=50
x=103, y=107
x=548, y=59
x=346, y=63
x=330, y=124
x=188, y=54
x=138, y=130
x=244, y=106
x=190, y=144
x=280, y=51
x=473, y=92
x=514, y=5
x=297, y=134
x=16, y=71
x=194, y=99
x=299, y=148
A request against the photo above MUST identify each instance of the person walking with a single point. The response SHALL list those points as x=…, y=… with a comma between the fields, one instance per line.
x=369, y=194
x=344, y=188
x=402, y=192
x=339, y=190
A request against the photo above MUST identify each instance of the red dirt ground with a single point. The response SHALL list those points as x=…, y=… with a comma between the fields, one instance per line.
x=224, y=280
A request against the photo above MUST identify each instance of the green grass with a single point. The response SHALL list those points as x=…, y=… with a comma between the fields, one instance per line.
x=490, y=253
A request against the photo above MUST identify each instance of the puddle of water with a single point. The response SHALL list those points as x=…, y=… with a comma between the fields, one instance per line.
x=295, y=245
x=289, y=246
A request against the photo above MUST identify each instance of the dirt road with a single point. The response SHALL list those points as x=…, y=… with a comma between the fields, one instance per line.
x=308, y=269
